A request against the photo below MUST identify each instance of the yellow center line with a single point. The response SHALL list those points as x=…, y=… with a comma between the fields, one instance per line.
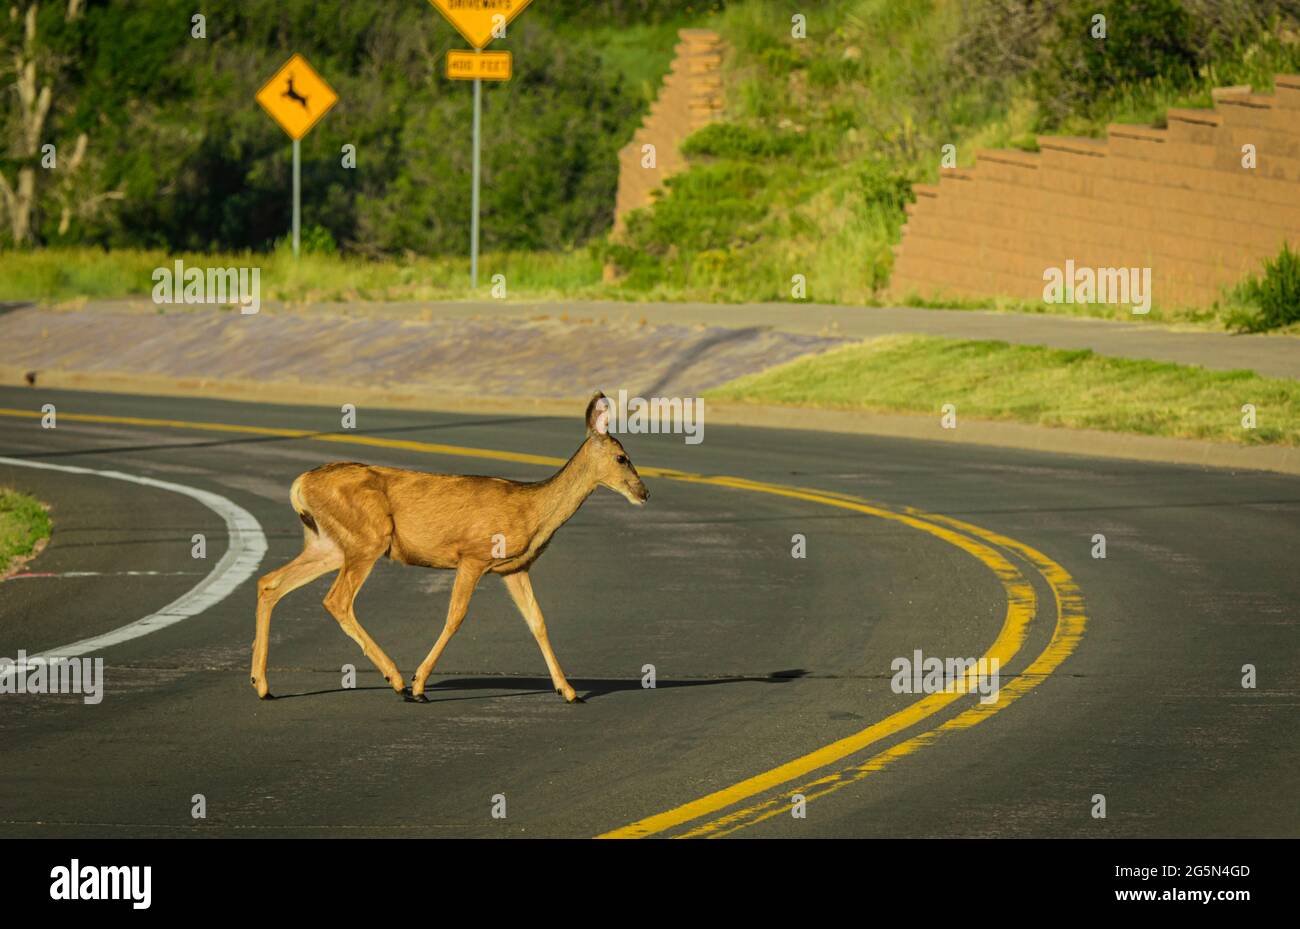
x=1069, y=628
x=374, y=441
x=1021, y=608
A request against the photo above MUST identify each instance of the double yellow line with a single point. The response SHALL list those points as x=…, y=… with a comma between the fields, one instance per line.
x=982, y=544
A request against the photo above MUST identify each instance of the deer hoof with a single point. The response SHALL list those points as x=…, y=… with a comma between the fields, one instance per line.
x=414, y=698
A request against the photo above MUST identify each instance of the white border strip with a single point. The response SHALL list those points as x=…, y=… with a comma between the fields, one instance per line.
x=247, y=545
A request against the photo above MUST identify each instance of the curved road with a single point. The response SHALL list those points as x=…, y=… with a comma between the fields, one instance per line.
x=1122, y=676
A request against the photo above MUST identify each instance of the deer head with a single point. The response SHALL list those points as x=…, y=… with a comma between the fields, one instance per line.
x=608, y=459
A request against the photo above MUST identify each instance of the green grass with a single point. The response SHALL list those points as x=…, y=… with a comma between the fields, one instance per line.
x=56, y=275
x=23, y=524
x=1212, y=317
x=1028, y=384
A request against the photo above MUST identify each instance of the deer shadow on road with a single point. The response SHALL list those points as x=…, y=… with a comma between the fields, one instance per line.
x=588, y=688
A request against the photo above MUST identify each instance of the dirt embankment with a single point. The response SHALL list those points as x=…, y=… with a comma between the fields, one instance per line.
x=316, y=357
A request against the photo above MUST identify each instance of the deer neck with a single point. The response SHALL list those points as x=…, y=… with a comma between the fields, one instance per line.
x=564, y=492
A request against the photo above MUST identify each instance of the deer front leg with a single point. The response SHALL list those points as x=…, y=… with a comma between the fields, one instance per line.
x=467, y=576
x=521, y=591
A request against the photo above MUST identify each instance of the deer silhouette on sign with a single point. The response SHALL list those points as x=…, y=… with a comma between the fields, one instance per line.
x=294, y=95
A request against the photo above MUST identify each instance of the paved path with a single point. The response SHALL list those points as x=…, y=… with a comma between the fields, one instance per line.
x=1270, y=355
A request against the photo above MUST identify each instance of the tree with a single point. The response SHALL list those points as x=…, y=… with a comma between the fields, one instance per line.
x=37, y=68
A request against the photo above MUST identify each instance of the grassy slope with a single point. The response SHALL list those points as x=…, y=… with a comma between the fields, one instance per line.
x=1050, y=387
x=23, y=523
x=66, y=274
x=871, y=95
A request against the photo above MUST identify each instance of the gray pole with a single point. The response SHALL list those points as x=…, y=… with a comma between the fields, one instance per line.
x=473, y=223
x=297, y=195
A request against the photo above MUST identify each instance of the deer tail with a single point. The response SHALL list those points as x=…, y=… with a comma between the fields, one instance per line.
x=299, y=507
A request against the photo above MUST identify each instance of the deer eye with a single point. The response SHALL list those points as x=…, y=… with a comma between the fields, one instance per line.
x=621, y=459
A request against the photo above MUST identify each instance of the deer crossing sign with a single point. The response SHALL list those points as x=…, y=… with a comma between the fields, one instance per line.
x=297, y=97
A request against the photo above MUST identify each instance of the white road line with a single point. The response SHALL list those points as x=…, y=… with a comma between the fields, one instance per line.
x=244, y=554
x=60, y=574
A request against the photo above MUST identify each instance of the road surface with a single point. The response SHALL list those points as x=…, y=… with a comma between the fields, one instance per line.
x=773, y=673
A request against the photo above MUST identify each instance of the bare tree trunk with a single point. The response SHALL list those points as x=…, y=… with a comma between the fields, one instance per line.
x=34, y=108
x=73, y=202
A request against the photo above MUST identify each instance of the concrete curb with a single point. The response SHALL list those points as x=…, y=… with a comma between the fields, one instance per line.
x=1086, y=442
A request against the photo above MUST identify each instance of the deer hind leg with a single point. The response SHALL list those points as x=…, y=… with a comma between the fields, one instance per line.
x=467, y=576
x=339, y=601
x=317, y=558
x=521, y=591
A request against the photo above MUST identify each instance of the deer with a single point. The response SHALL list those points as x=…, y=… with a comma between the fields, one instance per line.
x=354, y=514
x=292, y=94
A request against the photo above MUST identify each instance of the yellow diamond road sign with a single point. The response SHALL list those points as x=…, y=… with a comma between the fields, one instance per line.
x=297, y=97
x=475, y=19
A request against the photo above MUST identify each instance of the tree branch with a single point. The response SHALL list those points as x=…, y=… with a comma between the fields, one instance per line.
x=7, y=190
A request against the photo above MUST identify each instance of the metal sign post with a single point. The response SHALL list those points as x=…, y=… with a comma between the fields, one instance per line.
x=297, y=193
x=478, y=24
x=473, y=223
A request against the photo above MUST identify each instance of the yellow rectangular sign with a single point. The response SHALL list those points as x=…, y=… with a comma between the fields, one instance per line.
x=297, y=97
x=476, y=19
x=483, y=66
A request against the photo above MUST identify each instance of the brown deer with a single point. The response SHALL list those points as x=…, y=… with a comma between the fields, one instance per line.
x=355, y=514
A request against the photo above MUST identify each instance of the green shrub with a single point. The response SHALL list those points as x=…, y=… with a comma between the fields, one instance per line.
x=316, y=240
x=1274, y=296
x=779, y=60
x=734, y=140
x=707, y=208
x=1146, y=41
x=886, y=186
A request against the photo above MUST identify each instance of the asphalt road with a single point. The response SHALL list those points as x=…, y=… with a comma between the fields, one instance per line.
x=761, y=659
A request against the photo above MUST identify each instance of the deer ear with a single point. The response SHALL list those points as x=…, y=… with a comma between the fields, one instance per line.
x=598, y=414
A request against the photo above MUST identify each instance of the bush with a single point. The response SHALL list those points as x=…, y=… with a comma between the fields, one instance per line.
x=709, y=207
x=316, y=240
x=1146, y=41
x=733, y=140
x=1274, y=296
x=885, y=186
